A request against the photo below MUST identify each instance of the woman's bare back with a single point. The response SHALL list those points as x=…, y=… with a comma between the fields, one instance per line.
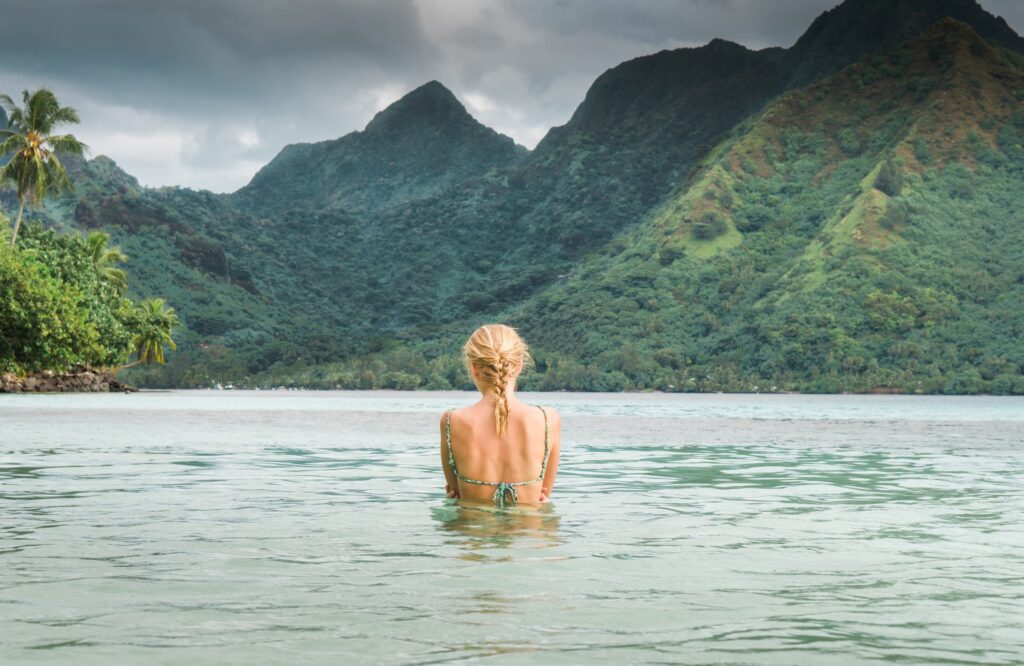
x=517, y=458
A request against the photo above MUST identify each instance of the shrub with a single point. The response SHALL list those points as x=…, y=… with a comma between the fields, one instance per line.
x=668, y=254
x=896, y=215
x=890, y=312
x=848, y=140
x=889, y=179
x=41, y=324
x=710, y=225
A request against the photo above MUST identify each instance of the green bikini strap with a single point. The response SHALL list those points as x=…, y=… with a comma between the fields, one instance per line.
x=547, y=449
x=503, y=487
x=448, y=439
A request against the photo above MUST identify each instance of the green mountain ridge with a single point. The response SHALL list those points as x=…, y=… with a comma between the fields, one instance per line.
x=855, y=279
x=418, y=146
x=858, y=28
x=628, y=250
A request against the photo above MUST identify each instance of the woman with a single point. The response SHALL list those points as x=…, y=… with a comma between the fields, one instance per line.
x=499, y=449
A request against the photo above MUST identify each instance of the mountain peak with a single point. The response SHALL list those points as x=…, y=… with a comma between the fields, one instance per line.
x=417, y=147
x=857, y=28
x=430, y=104
x=433, y=92
x=717, y=43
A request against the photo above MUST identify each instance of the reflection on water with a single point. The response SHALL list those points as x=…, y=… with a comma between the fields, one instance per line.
x=260, y=528
x=480, y=527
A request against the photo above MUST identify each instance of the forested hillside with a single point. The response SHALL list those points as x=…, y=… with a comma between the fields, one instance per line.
x=709, y=218
x=865, y=233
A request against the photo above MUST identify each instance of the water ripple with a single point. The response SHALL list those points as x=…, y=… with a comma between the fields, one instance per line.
x=204, y=528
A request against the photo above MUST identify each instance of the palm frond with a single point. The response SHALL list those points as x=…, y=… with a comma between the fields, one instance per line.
x=56, y=175
x=65, y=114
x=14, y=113
x=42, y=105
x=118, y=278
x=114, y=256
x=66, y=144
x=13, y=143
x=157, y=321
x=97, y=243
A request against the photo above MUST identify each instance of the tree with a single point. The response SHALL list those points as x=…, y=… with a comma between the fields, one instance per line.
x=710, y=225
x=889, y=179
x=34, y=166
x=105, y=259
x=156, y=319
x=42, y=323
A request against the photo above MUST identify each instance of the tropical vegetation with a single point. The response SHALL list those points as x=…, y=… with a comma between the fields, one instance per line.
x=62, y=296
x=837, y=216
x=33, y=162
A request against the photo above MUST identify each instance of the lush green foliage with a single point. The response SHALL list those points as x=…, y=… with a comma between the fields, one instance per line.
x=32, y=150
x=855, y=235
x=838, y=284
x=153, y=331
x=105, y=260
x=56, y=309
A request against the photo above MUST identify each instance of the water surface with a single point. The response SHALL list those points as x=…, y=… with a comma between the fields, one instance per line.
x=311, y=527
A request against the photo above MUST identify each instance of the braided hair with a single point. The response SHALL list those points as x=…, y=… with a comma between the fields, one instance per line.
x=496, y=351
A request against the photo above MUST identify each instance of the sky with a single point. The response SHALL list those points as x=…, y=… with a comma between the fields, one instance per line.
x=202, y=93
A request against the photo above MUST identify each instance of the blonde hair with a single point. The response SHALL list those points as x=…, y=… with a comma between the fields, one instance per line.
x=496, y=351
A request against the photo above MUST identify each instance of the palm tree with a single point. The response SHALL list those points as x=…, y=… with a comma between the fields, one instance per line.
x=33, y=165
x=156, y=319
x=106, y=258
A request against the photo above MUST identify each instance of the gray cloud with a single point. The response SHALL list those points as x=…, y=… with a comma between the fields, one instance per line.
x=203, y=92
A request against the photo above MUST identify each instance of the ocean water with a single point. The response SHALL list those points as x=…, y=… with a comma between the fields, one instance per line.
x=311, y=528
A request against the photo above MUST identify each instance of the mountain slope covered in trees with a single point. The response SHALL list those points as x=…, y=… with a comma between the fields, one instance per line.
x=864, y=233
x=421, y=145
x=646, y=243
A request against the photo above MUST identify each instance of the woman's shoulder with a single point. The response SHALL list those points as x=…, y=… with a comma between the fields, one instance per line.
x=457, y=415
x=447, y=414
x=551, y=413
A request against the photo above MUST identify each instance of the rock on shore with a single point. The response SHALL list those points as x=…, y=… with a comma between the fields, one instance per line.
x=78, y=380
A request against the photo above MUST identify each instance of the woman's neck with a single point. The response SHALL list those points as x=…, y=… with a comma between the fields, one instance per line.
x=510, y=392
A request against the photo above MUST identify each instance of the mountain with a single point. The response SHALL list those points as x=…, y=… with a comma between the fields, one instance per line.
x=861, y=234
x=859, y=28
x=646, y=123
x=288, y=282
x=622, y=241
x=422, y=144
x=642, y=126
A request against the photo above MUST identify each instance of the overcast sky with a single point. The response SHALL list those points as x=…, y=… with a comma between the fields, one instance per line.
x=202, y=93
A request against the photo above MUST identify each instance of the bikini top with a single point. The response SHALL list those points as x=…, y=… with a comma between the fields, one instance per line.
x=503, y=488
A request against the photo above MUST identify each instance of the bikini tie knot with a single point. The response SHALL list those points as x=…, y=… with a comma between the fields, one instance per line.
x=499, y=494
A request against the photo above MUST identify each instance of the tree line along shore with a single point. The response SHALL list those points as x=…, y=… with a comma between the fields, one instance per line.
x=66, y=323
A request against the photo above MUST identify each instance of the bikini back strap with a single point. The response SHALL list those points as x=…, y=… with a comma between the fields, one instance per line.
x=448, y=440
x=505, y=491
x=547, y=446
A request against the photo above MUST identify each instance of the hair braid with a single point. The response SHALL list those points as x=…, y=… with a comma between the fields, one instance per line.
x=496, y=353
x=502, y=374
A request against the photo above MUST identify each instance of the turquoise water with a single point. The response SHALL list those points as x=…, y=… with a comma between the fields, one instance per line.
x=311, y=528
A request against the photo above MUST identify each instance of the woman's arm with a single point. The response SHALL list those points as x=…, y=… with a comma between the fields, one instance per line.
x=451, y=486
x=554, y=433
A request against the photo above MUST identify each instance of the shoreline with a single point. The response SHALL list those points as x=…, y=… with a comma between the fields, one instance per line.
x=80, y=380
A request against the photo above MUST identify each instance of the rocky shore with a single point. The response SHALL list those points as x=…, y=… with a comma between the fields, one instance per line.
x=81, y=380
